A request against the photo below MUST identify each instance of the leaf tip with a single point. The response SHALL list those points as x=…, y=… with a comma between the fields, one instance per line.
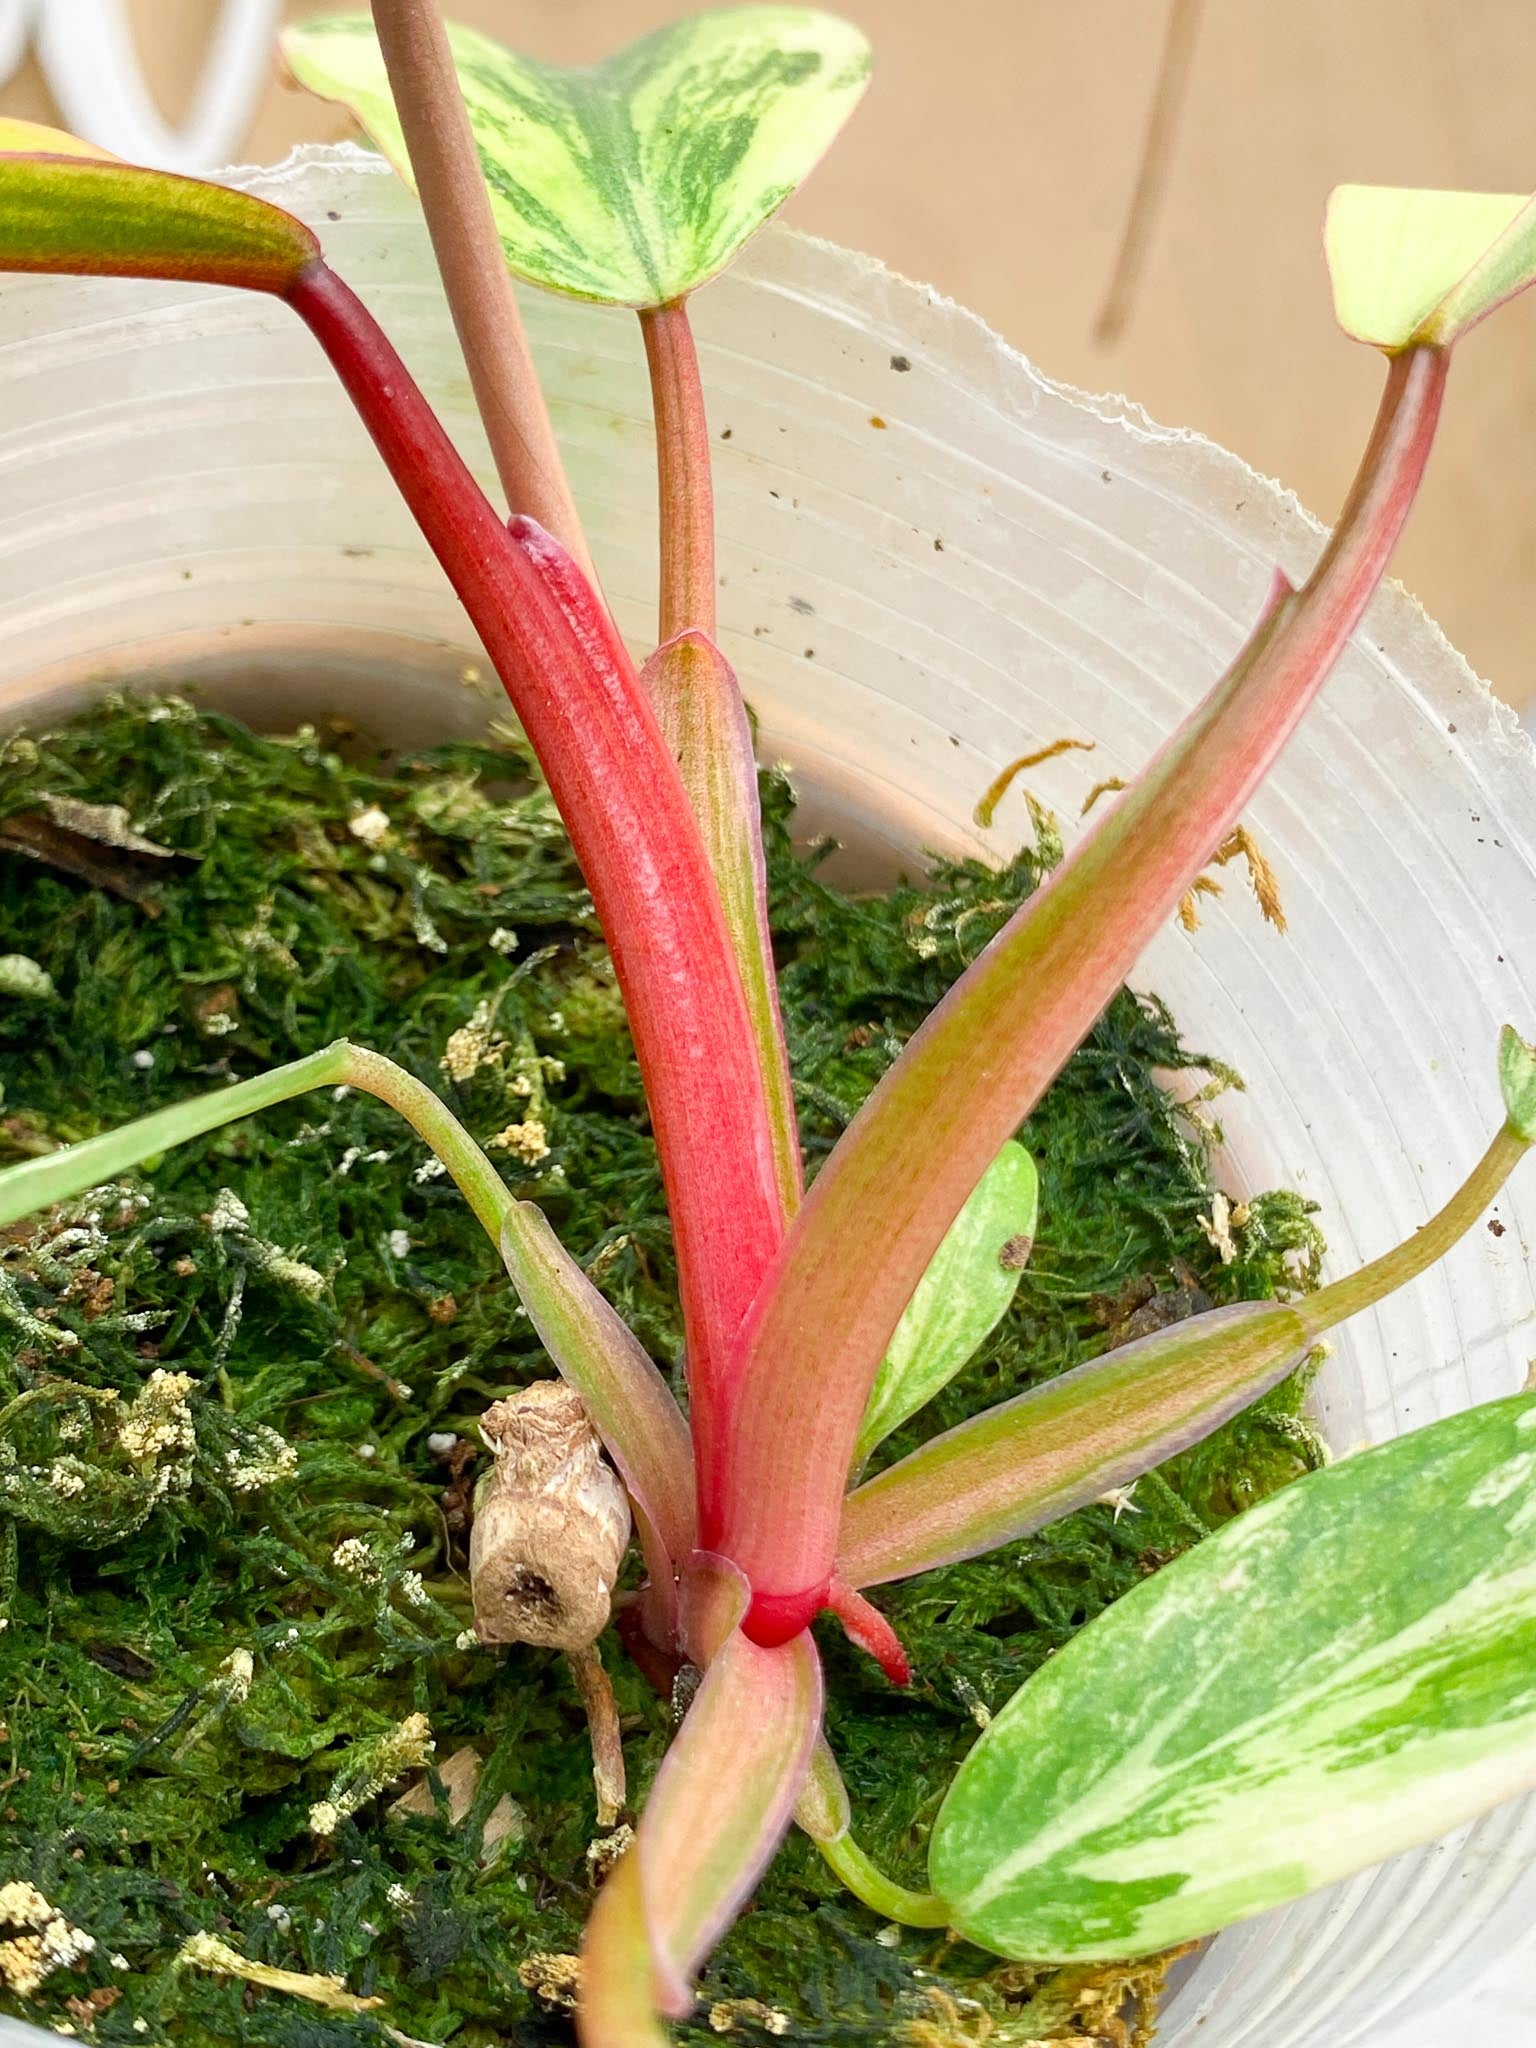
x=1419, y=268
x=1517, y=1080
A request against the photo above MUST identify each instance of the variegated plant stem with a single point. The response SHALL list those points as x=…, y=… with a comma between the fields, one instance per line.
x=1029, y=1461
x=698, y=705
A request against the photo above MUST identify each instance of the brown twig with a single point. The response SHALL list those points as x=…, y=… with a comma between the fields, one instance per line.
x=446, y=167
x=1168, y=97
x=76, y=854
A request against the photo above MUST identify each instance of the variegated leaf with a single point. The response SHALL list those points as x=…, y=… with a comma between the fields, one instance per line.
x=961, y=1298
x=635, y=180
x=31, y=138
x=1345, y=1671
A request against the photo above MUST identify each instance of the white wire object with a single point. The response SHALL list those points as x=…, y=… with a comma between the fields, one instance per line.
x=89, y=57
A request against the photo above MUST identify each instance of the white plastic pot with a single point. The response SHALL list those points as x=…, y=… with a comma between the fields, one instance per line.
x=933, y=559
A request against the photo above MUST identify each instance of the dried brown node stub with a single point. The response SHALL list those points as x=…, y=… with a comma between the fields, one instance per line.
x=550, y=1531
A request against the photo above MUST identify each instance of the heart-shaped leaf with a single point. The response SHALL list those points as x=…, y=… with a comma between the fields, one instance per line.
x=1410, y=267
x=1345, y=1671
x=634, y=180
x=961, y=1298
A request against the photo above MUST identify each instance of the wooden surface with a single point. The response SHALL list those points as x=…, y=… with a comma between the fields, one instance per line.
x=995, y=157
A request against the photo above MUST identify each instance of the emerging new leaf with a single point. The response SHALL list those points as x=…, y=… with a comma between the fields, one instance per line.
x=635, y=180
x=1422, y=267
x=1343, y=1672
x=721, y=1803
x=694, y=694
x=73, y=210
x=1517, y=1079
x=32, y=138
x=1013, y=1468
x=961, y=1298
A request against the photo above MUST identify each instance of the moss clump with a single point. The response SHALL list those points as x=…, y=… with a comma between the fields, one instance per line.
x=235, y=1394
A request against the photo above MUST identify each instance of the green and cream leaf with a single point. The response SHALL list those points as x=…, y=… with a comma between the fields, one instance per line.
x=634, y=180
x=961, y=1298
x=1345, y=1671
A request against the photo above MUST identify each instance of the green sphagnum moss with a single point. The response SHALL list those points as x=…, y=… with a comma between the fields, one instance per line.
x=229, y=1576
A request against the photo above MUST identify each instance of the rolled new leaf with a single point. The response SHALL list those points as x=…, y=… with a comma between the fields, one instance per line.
x=1414, y=268
x=697, y=702
x=1031, y=1460
x=1345, y=1671
x=70, y=211
x=961, y=1298
x=721, y=1803
x=631, y=181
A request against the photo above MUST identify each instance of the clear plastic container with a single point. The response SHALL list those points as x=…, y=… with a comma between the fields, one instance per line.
x=933, y=559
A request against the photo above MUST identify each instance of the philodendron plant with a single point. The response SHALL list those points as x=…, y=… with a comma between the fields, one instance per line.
x=1313, y=1687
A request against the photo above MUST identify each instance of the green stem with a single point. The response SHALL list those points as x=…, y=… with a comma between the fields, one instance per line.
x=1429, y=1244
x=685, y=484
x=58, y=1176
x=630, y=1404
x=875, y=1890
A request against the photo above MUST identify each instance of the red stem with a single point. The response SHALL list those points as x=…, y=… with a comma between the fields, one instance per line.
x=576, y=692
x=876, y=1213
x=684, y=479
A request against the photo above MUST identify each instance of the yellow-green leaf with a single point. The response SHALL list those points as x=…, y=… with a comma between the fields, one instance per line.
x=1411, y=267
x=88, y=215
x=1517, y=1080
x=634, y=180
x=37, y=140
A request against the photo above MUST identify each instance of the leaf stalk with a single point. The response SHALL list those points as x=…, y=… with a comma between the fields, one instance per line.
x=684, y=472
x=985, y=1056
x=446, y=168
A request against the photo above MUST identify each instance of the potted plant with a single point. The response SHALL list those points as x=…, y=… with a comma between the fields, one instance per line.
x=777, y=1544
